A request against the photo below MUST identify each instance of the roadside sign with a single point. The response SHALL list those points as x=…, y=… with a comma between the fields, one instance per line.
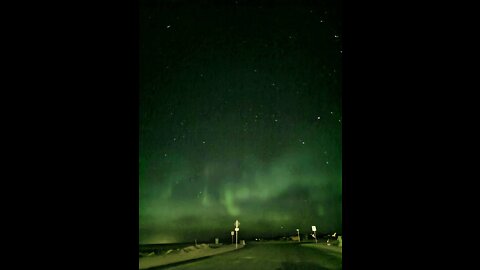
x=237, y=229
x=232, y=233
x=237, y=223
x=314, y=228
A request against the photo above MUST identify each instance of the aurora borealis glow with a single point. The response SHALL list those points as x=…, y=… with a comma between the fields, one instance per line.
x=240, y=118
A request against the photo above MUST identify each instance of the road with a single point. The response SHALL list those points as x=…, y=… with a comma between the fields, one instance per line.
x=275, y=256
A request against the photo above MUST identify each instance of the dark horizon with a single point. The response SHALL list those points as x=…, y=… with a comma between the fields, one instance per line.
x=227, y=240
x=225, y=236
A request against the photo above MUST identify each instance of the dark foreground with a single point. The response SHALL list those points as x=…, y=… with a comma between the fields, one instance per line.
x=277, y=256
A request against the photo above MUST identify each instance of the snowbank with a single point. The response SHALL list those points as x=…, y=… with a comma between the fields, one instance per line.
x=184, y=254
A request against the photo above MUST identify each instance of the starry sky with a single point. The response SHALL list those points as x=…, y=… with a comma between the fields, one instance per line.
x=240, y=118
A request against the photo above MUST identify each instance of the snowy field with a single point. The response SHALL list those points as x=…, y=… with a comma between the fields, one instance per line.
x=324, y=246
x=184, y=254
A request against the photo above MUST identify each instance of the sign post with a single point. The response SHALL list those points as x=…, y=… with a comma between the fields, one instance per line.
x=232, y=233
x=298, y=233
x=236, y=230
x=314, y=229
x=236, y=237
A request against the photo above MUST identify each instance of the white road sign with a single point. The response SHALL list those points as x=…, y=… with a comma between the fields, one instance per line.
x=236, y=223
x=232, y=233
x=237, y=229
x=314, y=228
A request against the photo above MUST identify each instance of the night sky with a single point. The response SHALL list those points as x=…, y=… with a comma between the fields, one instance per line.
x=240, y=118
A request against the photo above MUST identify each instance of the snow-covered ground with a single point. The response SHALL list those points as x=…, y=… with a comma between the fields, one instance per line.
x=185, y=254
x=334, y=248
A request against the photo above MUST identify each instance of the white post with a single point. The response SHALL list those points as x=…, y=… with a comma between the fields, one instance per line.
x=236, y=232
x=298, y=232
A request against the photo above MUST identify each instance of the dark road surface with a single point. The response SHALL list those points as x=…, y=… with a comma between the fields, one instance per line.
x=277, y=256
